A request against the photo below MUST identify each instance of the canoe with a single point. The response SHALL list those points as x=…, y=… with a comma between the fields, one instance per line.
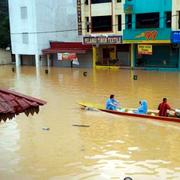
x=152, y=114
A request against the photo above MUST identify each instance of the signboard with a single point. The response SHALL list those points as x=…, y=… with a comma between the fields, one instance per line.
x=145, y=49
x=59, y=56
x=175, y=37
x=67, y=56
x=151, y=36
x=102, y=40
x=79, y=17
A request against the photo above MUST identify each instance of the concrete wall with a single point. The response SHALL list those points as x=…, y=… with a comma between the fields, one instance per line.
x=54, y=21
x=97, y=10
x=147, y=6
x=59, y=18
x=19, y=26
x=5, y=57
x=85, y=61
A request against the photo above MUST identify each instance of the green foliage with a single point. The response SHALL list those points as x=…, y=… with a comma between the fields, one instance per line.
x=4, y=25
x=4, y=33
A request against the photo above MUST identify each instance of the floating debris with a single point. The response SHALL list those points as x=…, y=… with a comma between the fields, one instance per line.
x=13, y=69
x=84, y=73
x=45, y=128
x=81, y=125
x=90, y=109
x=135, y=77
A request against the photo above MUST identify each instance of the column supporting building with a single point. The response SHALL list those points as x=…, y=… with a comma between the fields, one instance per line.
x=132, y=56
x=37, y=59
x=94, y=56
x=48, y=60
x=18, y=60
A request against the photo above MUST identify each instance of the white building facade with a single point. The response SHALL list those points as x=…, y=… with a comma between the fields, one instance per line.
x=34, y=23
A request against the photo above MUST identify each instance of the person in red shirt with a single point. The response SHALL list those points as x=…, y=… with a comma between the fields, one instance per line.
x=163, y=107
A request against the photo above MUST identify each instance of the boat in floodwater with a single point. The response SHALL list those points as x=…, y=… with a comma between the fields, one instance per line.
x=152, y=114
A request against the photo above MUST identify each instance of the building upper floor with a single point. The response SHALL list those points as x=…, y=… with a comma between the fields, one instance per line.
x=148, y=14
x=147, y=21
x=34, y=23
x=102, y=16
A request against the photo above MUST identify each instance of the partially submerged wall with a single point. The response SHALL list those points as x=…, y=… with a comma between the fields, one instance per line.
x=5, y=57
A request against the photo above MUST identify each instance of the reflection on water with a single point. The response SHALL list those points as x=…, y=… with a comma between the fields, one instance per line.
x=110, y=147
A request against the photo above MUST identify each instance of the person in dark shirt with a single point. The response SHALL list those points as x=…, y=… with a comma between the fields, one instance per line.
x=163, y=107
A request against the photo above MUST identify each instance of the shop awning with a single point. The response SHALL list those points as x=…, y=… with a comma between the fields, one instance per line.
x=67, y=47
x=12, y=103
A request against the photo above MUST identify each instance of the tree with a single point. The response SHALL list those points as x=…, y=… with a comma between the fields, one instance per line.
x=4, y=25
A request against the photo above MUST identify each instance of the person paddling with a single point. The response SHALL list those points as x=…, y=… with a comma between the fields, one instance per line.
x=163, y=107
x=111, y=103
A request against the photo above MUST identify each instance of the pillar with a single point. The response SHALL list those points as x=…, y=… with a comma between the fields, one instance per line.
x=94, y=56
x=162, y=19
x=48, y=60
x=18, y=60
x=37, y=59
x=132, y=56
x=133, y=21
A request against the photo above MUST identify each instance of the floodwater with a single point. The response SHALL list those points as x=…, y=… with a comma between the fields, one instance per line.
x=109, y=146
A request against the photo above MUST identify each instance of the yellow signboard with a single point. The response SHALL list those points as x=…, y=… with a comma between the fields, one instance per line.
x=145, y=49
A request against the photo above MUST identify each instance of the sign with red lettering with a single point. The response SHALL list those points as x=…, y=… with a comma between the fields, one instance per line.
x=67, y=56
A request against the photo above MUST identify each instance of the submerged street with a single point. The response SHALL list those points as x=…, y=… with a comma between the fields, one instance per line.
x=51, y=145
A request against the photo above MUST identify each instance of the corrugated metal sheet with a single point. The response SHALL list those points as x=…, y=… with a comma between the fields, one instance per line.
x=12, y=103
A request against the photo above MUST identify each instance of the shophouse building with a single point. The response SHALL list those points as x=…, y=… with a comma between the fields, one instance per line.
x=148, y=30
x=103, y=22
x=36, y=24
x=175, y=36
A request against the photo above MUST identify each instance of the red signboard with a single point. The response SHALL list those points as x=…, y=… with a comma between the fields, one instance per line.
x=67, y=56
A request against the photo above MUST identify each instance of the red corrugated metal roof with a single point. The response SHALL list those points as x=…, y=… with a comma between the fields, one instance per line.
x=13, y=103
x=68, y=47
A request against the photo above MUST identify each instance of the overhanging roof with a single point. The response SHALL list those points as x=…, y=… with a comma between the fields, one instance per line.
x=67, y=47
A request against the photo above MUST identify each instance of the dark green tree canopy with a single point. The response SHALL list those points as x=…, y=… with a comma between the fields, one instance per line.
x=4, y=24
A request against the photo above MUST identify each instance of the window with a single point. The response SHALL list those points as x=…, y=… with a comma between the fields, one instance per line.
x=87, y=24
x=129, y=21
x=119, y=23
x=168, y=19
x=25, y=38
x=100, y=1
x=86, y=2
x=23, y=12
x=147, y=20
x=102, y=24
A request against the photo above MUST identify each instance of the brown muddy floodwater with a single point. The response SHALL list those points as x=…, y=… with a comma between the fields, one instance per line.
x=112, y=147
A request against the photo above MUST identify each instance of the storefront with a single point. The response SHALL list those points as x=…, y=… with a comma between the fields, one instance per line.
x=68, y=54
x=151, y=48
x=108, y=51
